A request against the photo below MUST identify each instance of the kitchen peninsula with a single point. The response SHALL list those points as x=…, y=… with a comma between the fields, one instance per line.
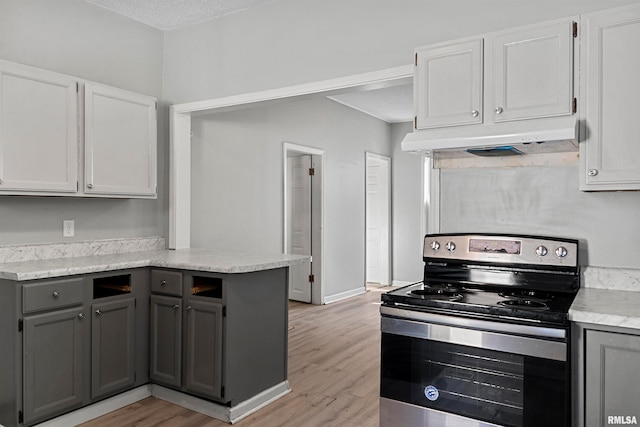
x=206, y=329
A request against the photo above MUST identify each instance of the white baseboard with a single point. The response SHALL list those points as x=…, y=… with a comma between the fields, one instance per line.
x=99, y=409
x=344, y=295
x=211, y=409
x=221, y=412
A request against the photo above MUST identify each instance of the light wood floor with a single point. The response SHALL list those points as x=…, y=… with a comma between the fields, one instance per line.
x=334, y=366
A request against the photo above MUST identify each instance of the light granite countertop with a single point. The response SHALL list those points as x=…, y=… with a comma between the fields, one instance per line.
x=608, y=297
x=207, y=260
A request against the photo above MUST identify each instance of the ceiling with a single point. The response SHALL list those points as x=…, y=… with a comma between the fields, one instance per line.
x=391, y=104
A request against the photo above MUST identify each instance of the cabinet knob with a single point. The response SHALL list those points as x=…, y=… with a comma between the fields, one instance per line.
x=89, y=185
x=0, y=181
x=80, y=316
x=475, y=113
x=176, y=306
x=189, y=308
x=98, y=313
x=592, y=172
x=163, y=282
x=499, y=110
x=56, y=294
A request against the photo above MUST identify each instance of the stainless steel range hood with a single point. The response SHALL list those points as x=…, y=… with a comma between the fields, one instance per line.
x=557, y=134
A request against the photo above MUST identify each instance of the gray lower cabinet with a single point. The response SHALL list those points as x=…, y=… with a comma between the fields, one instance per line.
x=165, y=338
x=112, y=346
x=53, y=351
x=612, y=378
x=203, y=348
x=185, y=334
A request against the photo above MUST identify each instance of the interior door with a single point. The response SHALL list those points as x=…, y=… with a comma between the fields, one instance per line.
x=378, y=219
x=299, y=233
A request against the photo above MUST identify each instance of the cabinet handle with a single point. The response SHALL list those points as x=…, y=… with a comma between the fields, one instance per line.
x=163, y=282
x=189, y=307
x=176, y=306
x=475, y=113
x=593, y=172
x=98, y=313
x=499, y=110
x=56, y=294
x=80, y=316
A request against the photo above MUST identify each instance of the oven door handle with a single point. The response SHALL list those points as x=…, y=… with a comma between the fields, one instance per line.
x=527, y=346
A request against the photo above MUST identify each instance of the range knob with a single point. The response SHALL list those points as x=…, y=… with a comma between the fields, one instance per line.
x=542, y=250
x=450, y=246
x=561, y=252
x=435, y=245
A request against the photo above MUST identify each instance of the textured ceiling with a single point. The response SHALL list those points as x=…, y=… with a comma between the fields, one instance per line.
x=172, y=14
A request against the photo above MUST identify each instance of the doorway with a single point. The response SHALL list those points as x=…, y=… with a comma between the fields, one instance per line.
x=378, y=219
x=303, y=220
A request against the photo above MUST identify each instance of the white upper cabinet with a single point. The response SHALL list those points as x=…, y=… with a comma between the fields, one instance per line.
x=120, y=142
x=533, y=72
x=41, y=117
x=518, y=74
x=448, y=85
x=610, y=88
x=38, y=131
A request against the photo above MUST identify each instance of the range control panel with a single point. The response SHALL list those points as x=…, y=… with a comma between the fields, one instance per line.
x=508, y=249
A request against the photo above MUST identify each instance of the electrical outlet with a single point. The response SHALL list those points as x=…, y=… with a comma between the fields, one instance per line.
x=68, y=226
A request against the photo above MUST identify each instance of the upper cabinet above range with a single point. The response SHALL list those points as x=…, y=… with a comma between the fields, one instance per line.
x=517, y=74
x=42, y=118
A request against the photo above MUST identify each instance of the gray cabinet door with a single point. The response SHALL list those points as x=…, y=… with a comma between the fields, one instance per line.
x=612, y=383
x=112, y=346
x=203, y=348
x=53, y=367
x=165, y=331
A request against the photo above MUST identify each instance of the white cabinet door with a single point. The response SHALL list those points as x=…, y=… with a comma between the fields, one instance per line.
x=38, y=130
x=448, y=85
x=120, y=142
x=532, y=72
x=610, y=149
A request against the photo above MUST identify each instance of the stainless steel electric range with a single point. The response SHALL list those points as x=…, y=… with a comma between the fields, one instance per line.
x=483, y=340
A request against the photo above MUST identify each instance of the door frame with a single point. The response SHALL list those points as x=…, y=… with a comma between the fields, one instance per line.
x=179, y=221
x=369, y=157
x=317, y=213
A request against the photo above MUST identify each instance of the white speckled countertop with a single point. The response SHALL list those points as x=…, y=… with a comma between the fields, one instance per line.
x=185, y=259
x=608, y=297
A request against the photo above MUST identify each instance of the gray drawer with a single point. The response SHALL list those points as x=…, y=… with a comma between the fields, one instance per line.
x=166, y=282
x=52, y=294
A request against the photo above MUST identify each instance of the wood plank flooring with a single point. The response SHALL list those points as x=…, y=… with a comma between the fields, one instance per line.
x=334, y=364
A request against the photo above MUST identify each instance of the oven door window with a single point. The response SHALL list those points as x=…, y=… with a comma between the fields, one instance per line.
x=492, y=386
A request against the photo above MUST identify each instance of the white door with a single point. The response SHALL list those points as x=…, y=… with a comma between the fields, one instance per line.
x=378, y=219
x=299, y=233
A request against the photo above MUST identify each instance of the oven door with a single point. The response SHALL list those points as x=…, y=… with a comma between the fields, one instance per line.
x=470, y=375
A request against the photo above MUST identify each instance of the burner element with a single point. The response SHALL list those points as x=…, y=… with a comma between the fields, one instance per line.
x=524, y=303
x=527, y=294
x=451, y=294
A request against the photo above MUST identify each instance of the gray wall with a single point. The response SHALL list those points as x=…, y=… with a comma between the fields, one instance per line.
x=289, y=42
x=237, y=180
x=544, y=201
x=409, y=212
x=76, y=38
